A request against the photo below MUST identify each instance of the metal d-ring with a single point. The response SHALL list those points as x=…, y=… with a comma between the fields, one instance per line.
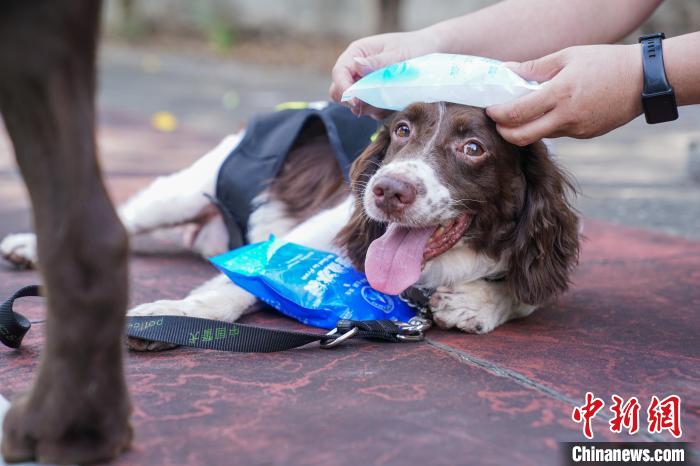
x=414, y=330
x=330, y=343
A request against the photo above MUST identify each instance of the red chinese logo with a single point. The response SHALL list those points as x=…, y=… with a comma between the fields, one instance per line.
x=665, y=415
x=587, y=412
x=661, y=414
x=626, y=415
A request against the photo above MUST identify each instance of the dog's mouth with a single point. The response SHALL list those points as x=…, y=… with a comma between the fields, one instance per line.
x=394, y=261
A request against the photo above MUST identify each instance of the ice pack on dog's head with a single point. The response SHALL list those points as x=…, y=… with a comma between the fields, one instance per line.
x=440, y=77
x=314, y=287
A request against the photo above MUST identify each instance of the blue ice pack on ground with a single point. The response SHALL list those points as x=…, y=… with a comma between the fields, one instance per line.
x=314, y=287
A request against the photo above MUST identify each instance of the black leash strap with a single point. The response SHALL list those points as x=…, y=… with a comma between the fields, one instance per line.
x=241, y=338
x=217, y=335
x=14, y=326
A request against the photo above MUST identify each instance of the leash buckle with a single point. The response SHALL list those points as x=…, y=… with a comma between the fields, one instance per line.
x=328, y=343
x=414, y=330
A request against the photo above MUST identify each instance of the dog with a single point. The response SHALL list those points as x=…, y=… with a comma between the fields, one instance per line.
x=438, y=201
x=78, y=409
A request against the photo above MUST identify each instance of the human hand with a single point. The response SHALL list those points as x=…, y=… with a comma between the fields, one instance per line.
x=371, y=53
x=592, y=90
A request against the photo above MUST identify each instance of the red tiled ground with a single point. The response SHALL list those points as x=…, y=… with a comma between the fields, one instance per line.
x=629, y=326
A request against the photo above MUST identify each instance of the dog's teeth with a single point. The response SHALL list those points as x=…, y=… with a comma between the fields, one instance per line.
x=440, y=230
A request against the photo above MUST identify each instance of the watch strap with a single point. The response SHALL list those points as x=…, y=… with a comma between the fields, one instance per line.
x=658, y=98
x=654, y=73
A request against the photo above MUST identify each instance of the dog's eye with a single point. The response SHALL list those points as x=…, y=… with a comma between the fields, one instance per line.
x=473, y=149
x=402, y=130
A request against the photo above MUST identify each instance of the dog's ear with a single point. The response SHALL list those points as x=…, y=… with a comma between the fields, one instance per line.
x=546, y=240
x=360, y=231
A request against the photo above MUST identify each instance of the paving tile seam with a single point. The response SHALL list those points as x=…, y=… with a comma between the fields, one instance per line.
x=524, y=381
x=501, y=371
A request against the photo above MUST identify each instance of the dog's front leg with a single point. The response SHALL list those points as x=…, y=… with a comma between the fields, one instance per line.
x=476, y=307
x=78, y=409
x=217, y=299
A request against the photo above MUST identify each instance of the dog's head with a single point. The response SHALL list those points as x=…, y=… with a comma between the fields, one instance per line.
x=439, y=180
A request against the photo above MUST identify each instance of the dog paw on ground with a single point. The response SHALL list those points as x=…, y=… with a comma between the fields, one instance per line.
x=472, y=308
x=20, y=250
x=141, y=345
x=162, y=307
x=41, y=429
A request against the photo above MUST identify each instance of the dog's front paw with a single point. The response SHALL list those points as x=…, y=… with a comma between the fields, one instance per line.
x=450, y=311
x=20, y=250
x=141, y=345
x=477, y=307
x=163, y=307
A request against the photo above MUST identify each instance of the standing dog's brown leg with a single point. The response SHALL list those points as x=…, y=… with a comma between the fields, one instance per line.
x=78, y=408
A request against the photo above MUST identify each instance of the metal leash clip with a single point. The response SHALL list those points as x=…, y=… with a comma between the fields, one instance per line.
x=415, y=329
x=327, y=343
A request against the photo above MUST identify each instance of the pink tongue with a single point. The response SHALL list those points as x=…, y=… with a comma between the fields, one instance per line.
x=394, y=260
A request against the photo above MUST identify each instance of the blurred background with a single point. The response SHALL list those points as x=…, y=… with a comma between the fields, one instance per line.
x=316, y=30
x=177, y=75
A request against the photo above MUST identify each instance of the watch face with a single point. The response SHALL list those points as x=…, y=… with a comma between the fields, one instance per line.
x=660, y=108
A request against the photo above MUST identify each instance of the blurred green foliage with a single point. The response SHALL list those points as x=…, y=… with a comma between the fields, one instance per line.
x=212, y=20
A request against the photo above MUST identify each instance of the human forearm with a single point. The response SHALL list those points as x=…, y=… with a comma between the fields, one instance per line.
x=593, y=89
x=519, y=30
x=512, y=30
x=682, y=63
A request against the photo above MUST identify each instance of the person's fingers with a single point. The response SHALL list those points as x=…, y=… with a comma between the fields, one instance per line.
x=347, y=71
x=360, y=108
x=355, y=105
x=363, y=65
x=524, y=109
x=374, y=62
x=342, y=78
x=547, y=125
x=352, y=104
x=335, y=93
x=541, y=69
x=344, y=72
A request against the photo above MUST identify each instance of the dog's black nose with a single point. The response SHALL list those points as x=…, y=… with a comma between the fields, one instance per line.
x=392, y=194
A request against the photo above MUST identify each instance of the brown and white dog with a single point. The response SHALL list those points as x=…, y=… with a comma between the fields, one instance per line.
x=439, y=200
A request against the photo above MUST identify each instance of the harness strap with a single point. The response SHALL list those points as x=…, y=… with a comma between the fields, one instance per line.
x=213, y=334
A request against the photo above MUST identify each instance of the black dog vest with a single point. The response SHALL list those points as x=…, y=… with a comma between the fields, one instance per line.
x=259, y=156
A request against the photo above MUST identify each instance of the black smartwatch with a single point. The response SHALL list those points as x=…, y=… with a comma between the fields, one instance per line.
x=658, y=98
